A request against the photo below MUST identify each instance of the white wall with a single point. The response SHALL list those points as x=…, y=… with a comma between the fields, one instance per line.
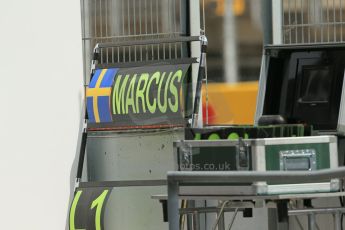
x=40, y=99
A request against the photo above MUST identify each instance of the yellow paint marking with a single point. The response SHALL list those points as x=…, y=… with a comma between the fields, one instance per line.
x=92, y=92
x=97, y=91
x=100, y=79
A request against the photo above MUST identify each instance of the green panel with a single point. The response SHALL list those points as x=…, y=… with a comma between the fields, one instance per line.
x=246, y=132
x=322, y=154
x=213, y=159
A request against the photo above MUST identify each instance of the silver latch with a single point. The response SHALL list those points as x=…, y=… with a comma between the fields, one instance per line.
x=185, y=157
x=298, y=160
x=242, y=155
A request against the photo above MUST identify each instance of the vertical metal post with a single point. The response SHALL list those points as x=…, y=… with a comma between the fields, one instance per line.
x=196, y=221
x=277, y=21
x=86, y=32
x=266, y=15
x=230, y=44
x=191, y=204
x=194, y=29
x=173, y=208
x=311, y=221
x=83, y=25
x=337, y=220
x=262, y=88
x=184, y=17
x=273, y=223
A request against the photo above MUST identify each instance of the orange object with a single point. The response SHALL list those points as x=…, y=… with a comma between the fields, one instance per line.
x=238, y=7
x=233, y=104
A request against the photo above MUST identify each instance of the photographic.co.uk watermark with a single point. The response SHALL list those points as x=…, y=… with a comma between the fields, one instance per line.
x=206, y=167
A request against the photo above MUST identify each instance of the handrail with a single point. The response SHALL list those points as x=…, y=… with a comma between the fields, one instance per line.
x=283, y=177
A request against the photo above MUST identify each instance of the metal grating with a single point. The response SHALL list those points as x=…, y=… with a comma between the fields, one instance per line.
x=116, y=21
x=128, y=52
x=313, y=21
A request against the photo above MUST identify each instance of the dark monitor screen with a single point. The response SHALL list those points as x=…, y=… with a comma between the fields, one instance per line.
x=304, y=85
x=316, y=84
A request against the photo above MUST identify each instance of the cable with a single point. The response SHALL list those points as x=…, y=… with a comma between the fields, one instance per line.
x=219, y=214
x=299, y=223
x=183, y=217
x=233, y=219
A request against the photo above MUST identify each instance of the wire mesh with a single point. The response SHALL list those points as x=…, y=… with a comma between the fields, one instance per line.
x=111, y=21
x=313, y=21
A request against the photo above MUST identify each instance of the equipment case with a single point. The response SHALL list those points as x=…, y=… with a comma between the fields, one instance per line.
x=266, y=154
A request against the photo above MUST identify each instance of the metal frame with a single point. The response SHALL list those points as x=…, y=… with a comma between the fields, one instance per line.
x=259, y=141
x=102, y=48
x=149, y=42
x=341, y=120
x=311, y=212
x=139, y=43
x=262, y=88
x=140, y=24
x=319, y=21
x=122, y=53
x=177, y=180
x=105, y=21
x=145, y=26
x=131, y=183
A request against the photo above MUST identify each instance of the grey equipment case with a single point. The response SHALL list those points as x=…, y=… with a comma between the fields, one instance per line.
x=267, y=154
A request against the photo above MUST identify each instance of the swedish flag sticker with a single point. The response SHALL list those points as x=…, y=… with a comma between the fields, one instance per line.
x=98, y=95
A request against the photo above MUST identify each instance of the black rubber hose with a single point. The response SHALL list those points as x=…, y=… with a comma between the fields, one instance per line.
x=82, y=155
x=201, y=76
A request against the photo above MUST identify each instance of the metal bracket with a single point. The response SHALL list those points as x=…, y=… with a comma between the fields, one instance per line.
x=243, y=151
x=304, y=159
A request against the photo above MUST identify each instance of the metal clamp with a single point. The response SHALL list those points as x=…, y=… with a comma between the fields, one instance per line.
x=243, y=151
x=292, y=160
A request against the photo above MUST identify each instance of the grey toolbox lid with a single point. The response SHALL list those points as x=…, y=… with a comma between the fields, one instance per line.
x=304, y=84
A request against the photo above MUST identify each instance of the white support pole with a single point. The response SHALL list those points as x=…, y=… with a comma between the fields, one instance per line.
x=230, y=44
x=277, y=21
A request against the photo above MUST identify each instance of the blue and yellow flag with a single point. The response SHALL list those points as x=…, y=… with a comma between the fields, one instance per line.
x=98, y=95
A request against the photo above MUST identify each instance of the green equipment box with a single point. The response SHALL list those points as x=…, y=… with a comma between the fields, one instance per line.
x=246, y=132
x=262, y=154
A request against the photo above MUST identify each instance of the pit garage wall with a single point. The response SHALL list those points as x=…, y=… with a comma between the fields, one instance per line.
x=40, y=97
x=137, y=156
